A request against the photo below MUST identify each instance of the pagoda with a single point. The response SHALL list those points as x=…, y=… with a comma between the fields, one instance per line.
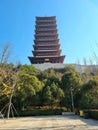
x=46, y=43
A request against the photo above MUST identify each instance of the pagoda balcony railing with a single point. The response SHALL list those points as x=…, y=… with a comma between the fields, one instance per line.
x=45, y=17
x=47, y=44
x=48, y=56
x=47, y=50
x=49, y=31
x=45, y=20
x=52, y=55
x=44, y=34
x=45, y=29
x=45, y=55
x=47, y=39
x=45, y=25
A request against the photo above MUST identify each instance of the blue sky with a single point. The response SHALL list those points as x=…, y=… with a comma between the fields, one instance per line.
x=77, y=22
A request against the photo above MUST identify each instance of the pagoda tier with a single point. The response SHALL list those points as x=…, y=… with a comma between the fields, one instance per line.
x=46, y=43
x=47, y=47
x=46, y=52
x=44, y=59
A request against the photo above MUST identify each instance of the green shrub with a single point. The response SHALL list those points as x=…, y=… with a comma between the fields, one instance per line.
x=94, y=114
x=38, y=112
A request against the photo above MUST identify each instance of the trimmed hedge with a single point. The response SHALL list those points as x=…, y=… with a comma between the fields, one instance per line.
x=94, y=114
x=38, y=112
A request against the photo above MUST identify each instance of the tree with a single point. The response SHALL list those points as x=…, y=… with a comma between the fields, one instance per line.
x=29, y=69
x=27, y=86
x=52, y=95
x=5, y=54
x=5, y=69
x=69, y=68
x=47, y=96
x=89, y=94
x=70, y=80
x=52, y=79
x=8, y=84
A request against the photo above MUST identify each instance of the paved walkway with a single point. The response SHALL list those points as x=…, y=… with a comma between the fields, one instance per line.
x=49, y=123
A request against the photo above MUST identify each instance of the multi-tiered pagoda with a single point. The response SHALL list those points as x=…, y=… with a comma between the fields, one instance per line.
x=46, y=43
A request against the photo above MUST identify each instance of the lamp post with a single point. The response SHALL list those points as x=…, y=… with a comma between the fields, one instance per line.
x=72, y=99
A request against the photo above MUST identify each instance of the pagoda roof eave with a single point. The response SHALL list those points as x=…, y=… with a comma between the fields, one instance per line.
x=56, y=59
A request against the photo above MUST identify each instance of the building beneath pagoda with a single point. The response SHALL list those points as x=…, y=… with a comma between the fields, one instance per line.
x=46, y=43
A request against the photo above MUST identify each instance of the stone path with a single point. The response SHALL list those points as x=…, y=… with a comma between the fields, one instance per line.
x=49, y=123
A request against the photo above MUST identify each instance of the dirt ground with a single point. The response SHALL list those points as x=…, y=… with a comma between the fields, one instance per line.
x=49, y=123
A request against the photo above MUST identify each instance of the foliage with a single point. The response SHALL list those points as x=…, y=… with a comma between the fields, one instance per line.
x=93, y=114
x=27, y=86
x=52, y=95
x=6, y=79
x=51, y=87
x=89, y=94
x=70, y=80
x=37, y=112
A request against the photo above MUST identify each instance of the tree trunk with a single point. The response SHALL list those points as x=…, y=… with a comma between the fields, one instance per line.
x=10, y=101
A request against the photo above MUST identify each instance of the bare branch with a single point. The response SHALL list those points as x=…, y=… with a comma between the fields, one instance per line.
x=5, y=54
x=95, y=57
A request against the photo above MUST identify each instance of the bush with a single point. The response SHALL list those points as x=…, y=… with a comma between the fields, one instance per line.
x=94, y=114
x=38, y=112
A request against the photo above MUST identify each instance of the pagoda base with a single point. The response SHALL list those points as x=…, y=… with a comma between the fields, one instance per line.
x=45, y=59
x=46, y=66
